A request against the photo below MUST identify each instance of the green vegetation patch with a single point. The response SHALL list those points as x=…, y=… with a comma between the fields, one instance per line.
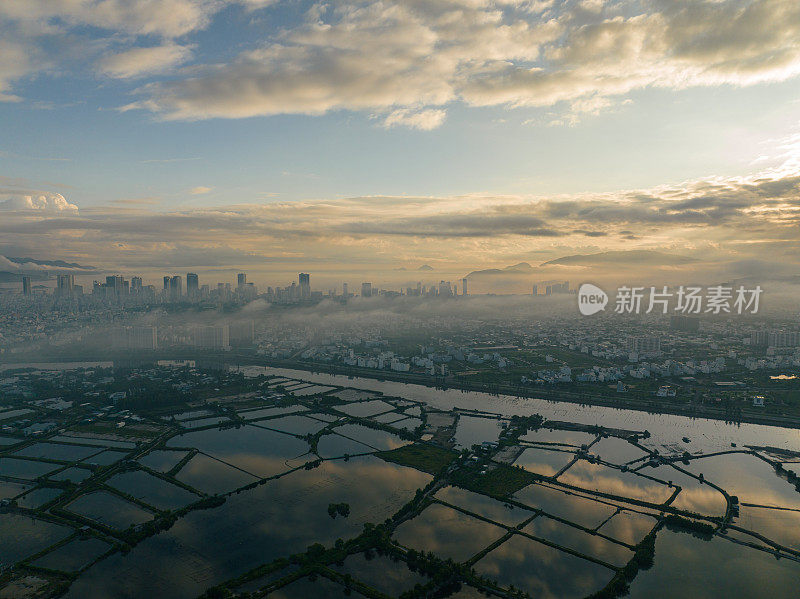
x=502, y=481
x=428, y=458
x=679, y=523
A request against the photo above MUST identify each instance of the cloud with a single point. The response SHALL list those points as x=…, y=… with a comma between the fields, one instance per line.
x=739, y=219
x=256, y=4
x=200, y=189
x=166, y=18
x=60, y=36
x=35, y=201
x=409, y=59
x=15, y=62
x=147, y=201
x=375, y=57
x=138, y=62
x=483, y=223
x=675, y=46
x=425, y=120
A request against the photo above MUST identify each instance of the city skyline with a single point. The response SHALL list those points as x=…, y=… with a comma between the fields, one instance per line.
x=399, y=299
x=117, y=287
x=242, y=134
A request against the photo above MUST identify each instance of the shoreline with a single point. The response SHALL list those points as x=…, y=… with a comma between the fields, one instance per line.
x=231, y=359
x=538, y=393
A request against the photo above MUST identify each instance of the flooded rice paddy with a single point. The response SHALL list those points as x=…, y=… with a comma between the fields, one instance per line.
x=335, y=474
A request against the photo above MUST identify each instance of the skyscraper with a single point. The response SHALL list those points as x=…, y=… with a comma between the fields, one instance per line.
x=305, y=285
x=136, y=284
x=644, y=344
x=242, y=333
x=241, y=280
x=64, y=285
x=464, y=286
x=192, y=285
x=344, y=289
x=212, y=337
x=175, y=287
x=26, y=285
x=115, y=286
x=366, y=289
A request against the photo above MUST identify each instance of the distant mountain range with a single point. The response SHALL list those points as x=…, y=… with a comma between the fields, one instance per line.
x=612, y=258
x=53, y=263
x=627, y=257
x=521, y=268
x=12, y=269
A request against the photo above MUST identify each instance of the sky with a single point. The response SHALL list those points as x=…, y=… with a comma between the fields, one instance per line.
x=373, y=137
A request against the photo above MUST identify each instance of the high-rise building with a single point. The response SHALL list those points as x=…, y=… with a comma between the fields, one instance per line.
x=64, y=285
x=305, y=285
x=192, y=285
x=136, y=284
x=212, y=337
x=775, y=338
x=344, y=290
x=137, y=337
x=688, y=324
x=115, y=286
x=366, y=289
x=175, y=288
x=248, y=292
x=644, y=344
x=554, y=287
x=242, y=334
x=241, y=279
x=759, y=337
x=26, y=285
x=784, y=339
x=144, y=338
x=464, y=286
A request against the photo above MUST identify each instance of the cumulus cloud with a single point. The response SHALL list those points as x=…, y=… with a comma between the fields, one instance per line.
x=374, y=57
x=42, y=35
x=675, y=45
x=425, y=120
x=168, y=18
x=411, y=58
x=138, y=62
x=36, y=202
x=15, y=61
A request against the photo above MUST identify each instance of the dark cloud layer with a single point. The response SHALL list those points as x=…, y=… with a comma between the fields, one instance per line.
x=747, y=219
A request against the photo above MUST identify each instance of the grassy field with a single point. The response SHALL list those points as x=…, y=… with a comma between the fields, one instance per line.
x=503, y=481
x=427, y=458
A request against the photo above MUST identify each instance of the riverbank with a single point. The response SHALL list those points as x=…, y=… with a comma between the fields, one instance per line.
x=222, y=359
x=555, y=395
